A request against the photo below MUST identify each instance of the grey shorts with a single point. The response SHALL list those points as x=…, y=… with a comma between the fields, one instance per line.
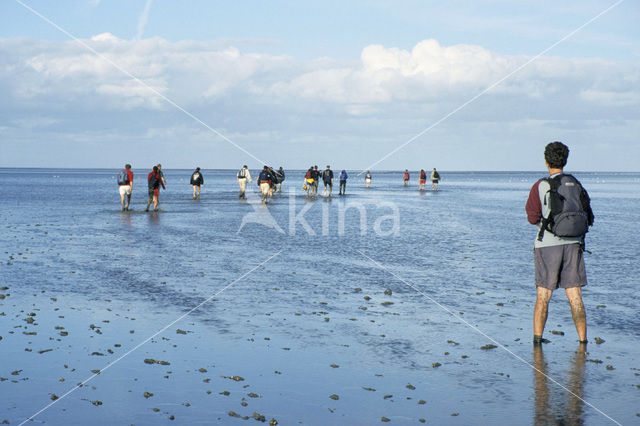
x=559, y=266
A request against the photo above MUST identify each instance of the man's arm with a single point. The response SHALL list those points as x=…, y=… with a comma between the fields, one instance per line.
x=533, y=206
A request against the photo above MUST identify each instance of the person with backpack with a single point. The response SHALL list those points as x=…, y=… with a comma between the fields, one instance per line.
x=367, y=179
x=242, y=178
x=422, y=181
x=343, y=182
x=435, y=177
x=280, y=178
x=154, y=180
x=264, y=183
x=196, y=181
x=327, y=178
x=406, y=177
x=125, y=186
x=560, y=207
x=315, y=174
x=308, y=181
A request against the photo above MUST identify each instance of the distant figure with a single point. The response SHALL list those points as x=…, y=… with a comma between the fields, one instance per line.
x=406, y=177
x=561, y=208
x=264, y=182
x=280, y=177
x=316, y=177
x=196, y=181
x=308, y=181
x=423, y=180
x=273, y=181
x=435, y=177
x=125, y=185
x=154, y=180
x=242, y=178
x=343, y=182
x=164, y=181
x=367, y=179
x=327, y=178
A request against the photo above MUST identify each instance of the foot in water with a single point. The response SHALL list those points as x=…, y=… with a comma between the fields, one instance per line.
x=538, y=340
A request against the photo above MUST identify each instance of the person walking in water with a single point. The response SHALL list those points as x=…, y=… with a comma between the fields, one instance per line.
x=406, y=177
x=196, y=181
x=367, y=179
x=327, y=179
x=280, y=177
x=343, y=182
x=242, y=178
x=264, y=183
x=559, y=204
x=154, y=180
x=164, y=181
x=435, y=177
x=125, y=186
x=423, y=180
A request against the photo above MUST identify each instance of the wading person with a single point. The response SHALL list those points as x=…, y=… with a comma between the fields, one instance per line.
x=560, y=206
x=367, y=179
x=422, y=181
x=435, y=177
x=280, y=177
x=406, y=177
x=196, y=181
x=125, y=186
x=242, y=178
x=164, y=181
x=264, y=183
x=343, y=182
x=154, y=180
x=327, y=178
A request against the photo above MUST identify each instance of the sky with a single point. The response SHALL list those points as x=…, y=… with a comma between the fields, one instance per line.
x=380, y=85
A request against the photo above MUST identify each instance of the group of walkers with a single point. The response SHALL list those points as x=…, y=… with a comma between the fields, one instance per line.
x=422, y=180
x=155, y=179
x=269, y=181
x=312, y=179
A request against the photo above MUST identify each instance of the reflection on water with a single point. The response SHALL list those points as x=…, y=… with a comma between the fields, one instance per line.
x=554, y=405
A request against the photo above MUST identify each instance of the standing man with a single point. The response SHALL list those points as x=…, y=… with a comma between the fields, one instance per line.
x=264, y=182
x=406, y=177
x=343, y=182
x=422, y=181
x=560, y=206
x=125, y=185
x=242, y=178
x=367, y=179
x=327, y=178
x=196, y=181
x=435, y=177
x=154, y=180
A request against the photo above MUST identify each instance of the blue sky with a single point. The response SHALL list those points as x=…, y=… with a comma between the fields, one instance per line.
x=299, y=83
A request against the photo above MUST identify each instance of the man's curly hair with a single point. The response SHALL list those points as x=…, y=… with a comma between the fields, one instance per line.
x=556, y=154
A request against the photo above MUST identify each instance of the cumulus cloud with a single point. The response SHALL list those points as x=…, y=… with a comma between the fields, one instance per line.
x=386, y=93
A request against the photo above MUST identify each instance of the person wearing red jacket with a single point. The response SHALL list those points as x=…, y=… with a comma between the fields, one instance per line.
x=125, y=187
x=154, y=180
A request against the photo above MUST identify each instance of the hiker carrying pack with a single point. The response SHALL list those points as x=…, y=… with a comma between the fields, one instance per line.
x=242, y=174
x=123, y=177
x=570, y=213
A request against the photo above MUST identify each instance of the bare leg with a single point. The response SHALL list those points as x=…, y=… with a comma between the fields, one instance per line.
x=541, y=309
x=155, y=202
x=122, y=201
x=128, y=201
x=574, y=295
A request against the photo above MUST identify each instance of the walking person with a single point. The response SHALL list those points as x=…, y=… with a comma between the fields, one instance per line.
x=560, y=207
x=308, y=181
x=280, y=178
x=367, y=179
x=435, y=177
x=154, y=181
x=242, y=178
x=343, y=182
x=125, y=186
x=196, y=181
x=406, y=177
x=315, y=174
x=422, y=181
x=164, y=181
x=264, y=183
x=327, y=178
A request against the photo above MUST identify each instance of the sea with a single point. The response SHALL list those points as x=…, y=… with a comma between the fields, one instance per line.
x=387, y=304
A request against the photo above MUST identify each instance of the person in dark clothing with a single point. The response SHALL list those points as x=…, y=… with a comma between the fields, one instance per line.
x=264, y=182
x=196, y=181
x=154, y=180
x=315, y=174
x=343, y=182
x=327, y=178
x=280, y=178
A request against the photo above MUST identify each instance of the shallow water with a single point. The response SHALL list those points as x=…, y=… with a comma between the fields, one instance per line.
x=310, y=322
